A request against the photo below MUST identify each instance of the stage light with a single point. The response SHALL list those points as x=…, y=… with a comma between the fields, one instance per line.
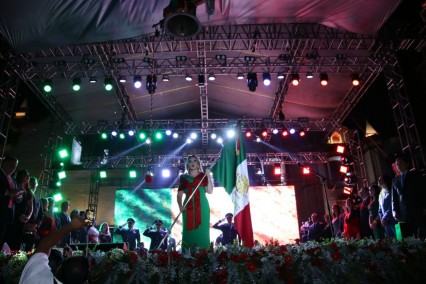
x=347, y=190
x=137, y=81
x=165, y=173
x=355, y=79
x=275, y=131
x=213, y=136
x=168, y=132
x=188, y=77
x=108, y=84
x=264, y=133
x=104, y=135
x=284, y=133
x=277, y=170
x=142, y=135
x=47, y=85
x=55, y=209
x=63, y=153
x=188, y=140
x=258, y=139
x=166, y=78
x=175, y=135
x=57, y=197
x=114, y=133
x=212, y=77
x=131, y=132
x=122, y=79
x=133, y=174
x=230, y=133
x=76, y=84
x=148, y=141
x=306, y=170
x=92, y=80
x=302, y=133
x=58, y=184
x=292, y=131
x=219, y=140
x=249, y=134
x=158, y=135
x=62, y=175
x=344, y=169
x=103, y=174
x=151, y=83
x=252, y=81
x=295, y=79
x=340, y=149
x=240, y=76
x=309, y=75
x=266, y=78
x=324, y=79
x=121, y=136
x=201, y=80
x=193, y=135
x=280, y=75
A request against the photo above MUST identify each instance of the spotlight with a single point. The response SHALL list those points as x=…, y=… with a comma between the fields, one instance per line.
x=103, y=174
x=151, y=83
x=175, y=135
x=264, y=133
x=306, y=170
x=266, y=78
x=188, y=140
x=249, y=134
x=133, y=174
x=168, y=132
x=230, y=133
x=302, y=133
x=252, y=81
x=292, y=130
x=284, y=133
x=108, y=84
x=193, y=135
x=344, y=169
x=355, y=79
x=219, y=140
x=212, y=77
x=275, y=131
x=104, y=136
x=324, y=79
x=137, y=81
x=280, y=75
x=258, y=139
x=121, y=136
x=341, y=149
x=166, y=78
x=309, y=75
x=213, y=136
x=148, y=141
x=76, y=84
x=158, y=135
x=122, y=79
x=131, y=133
x=114, y=133
x=188, y=77
x=295, y=79
x=240, y=76
x=201, y=80
x=142, y=135
x=277, y=170
x=47, y=85
x=165, y=173
x=92, y=80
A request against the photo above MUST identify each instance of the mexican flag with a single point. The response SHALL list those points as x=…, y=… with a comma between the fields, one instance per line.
x=231, y=172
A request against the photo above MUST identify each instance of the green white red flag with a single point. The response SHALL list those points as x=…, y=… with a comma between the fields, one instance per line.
x=231, y=172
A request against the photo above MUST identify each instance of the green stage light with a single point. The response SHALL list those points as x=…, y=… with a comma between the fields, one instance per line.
x=47, y=86
x=132, y=174
x=55, y=209
x=142, y=135
x=158, y=135
x=63, y=153
x=76, y=84
x=108, y=84
x=104, y=136
x=122, y=136
x=102, y=174
x=62, y=175
x=57, y=197
x=58, y=183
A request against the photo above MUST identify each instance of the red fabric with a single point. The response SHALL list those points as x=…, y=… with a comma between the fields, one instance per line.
x=193, y=208
x=352, y=226
x=243, y=223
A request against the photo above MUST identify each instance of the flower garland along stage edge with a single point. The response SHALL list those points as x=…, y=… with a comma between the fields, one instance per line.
x=334, y=261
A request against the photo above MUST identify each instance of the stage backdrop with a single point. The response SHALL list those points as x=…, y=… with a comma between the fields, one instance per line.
x=273, y=211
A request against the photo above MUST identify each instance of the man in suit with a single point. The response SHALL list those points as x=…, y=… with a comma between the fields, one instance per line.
x=316, y=229
x=8, y=195
x=409, y=199
x=34, y=222
x=156, y=234
x=229, y=231
x=131, y=235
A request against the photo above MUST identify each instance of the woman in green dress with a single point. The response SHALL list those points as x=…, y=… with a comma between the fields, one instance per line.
x=196, y=214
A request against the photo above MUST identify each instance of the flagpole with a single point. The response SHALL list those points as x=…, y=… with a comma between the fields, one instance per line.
x=187, y=201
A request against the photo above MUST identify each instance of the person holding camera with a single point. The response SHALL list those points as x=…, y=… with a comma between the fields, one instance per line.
x=229, y=231
x=156, y=234
x=131, y=235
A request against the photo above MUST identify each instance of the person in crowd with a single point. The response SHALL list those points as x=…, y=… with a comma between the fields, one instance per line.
x=385, y=206
x=31, y=227
x=196, y=214
x=131, y=235
x=23, y=211
x=142, y=250
x=315, y=230
x=337, y=221
x=366, y=231
x=326, y=232
x=74, y=234
x=304, y=230
x=104, y=233
x=82, y=233
x=229, y=231
x=47, y=224
x=157, y=236
x=408, y=199
x=92, y=233
x=64, y=219
x=74, y=269
x=352, y=223
x=373, y=208
x=8, y=195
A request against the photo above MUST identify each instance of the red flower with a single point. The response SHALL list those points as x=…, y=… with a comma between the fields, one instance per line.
x=222, y=257
x=244, y=256
x=235, y=258
x=174, y=255
x=288, y=259
x=162, y=259
x=336, y=256
x=251, y=266
x=133, y=257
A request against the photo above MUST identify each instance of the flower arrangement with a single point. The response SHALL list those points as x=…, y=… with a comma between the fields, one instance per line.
x=333, y=261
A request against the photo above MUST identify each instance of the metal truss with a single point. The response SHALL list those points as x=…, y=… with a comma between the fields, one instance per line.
x=204, y=106
x=94, y=192
x=95, y=162
x=54, y=142
x=356, y=154
x=8, y=89
x=209, y=125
